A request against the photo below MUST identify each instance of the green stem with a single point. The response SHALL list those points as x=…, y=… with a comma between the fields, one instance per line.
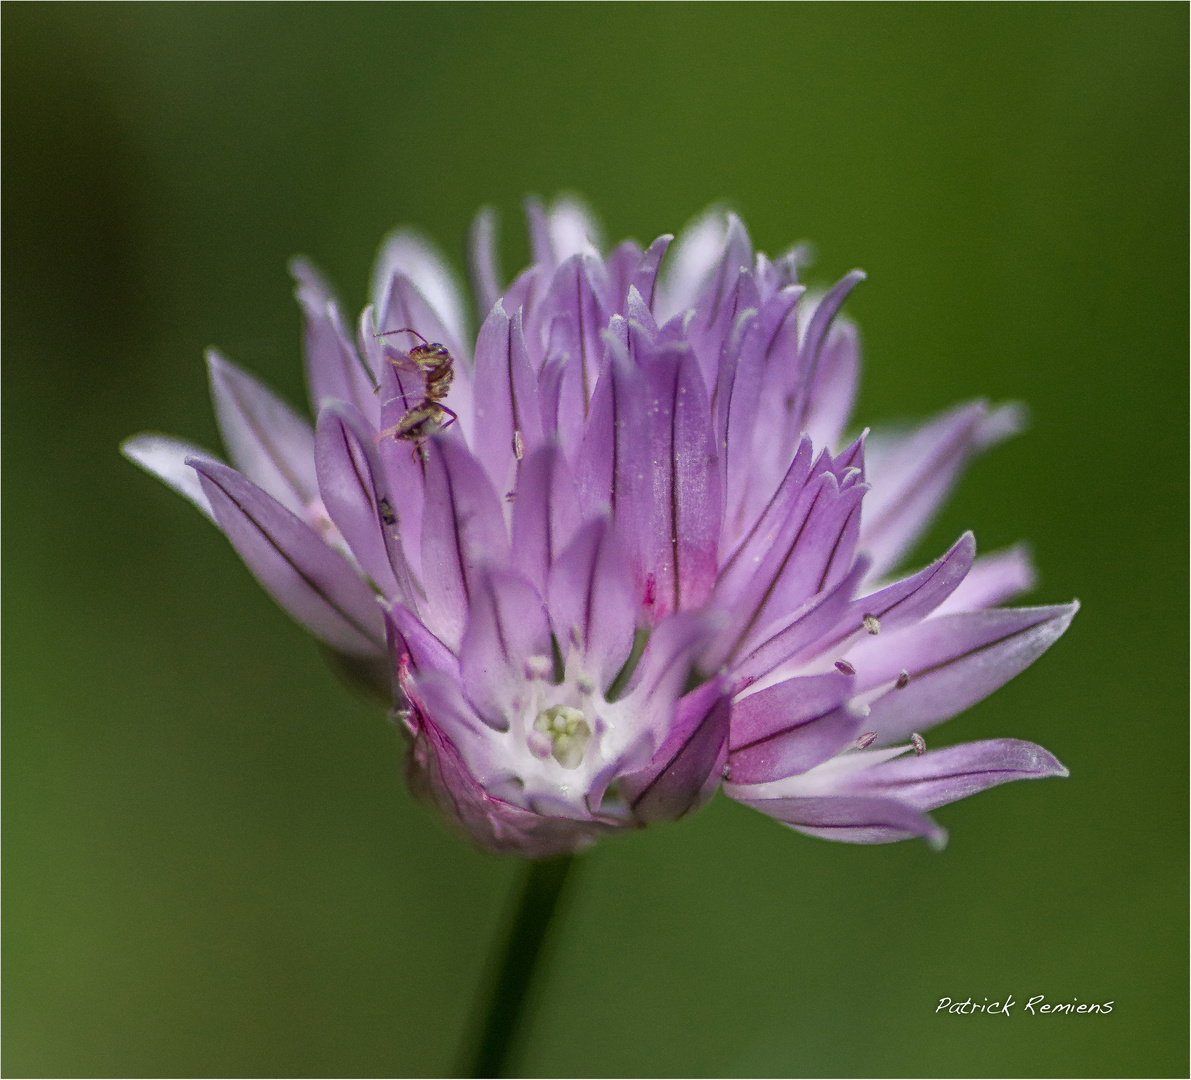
x=499, y=1017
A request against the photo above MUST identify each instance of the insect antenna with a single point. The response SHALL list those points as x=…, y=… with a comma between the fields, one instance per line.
x=403, y=330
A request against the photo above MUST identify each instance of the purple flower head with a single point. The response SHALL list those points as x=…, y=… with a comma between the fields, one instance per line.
x=615, y=550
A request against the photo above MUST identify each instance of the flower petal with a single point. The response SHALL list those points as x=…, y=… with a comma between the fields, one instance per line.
x=485, y=273
x=771, y=338
x=943, y=776
x=645, y=277
x=334, y=370
x=612, y=442
x=354, y=491
x=463, y=529
x=855, y=819
x=804, y=635
x=952, y=661
x=669, y=657
x=790, y=727
x=797, y=748
x=810, y=553
x=834, y=387
x=591, y=601
x=545, y=513
x=404, y=473
x=505, y=627
x=699, y=247
x=408, y=254
x=165, y=458
x=912, y=599
x=508, y=415
x=541, y=250
x=992, y=580
x=672, y=514
x=571, y=318
x=748, y=547
x=912, y=475
x=621, y=264
x=812, y=349
x=572, y=227
x=266, y=439
x=686, y=768
x=408, y=637
x=315, y=584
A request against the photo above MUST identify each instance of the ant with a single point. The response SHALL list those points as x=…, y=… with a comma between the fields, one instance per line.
x=434, y=362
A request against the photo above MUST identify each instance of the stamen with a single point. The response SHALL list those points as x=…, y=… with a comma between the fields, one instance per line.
x=919, y=744
x=872, y=624
x=386, y=512
x=903, y=680
x=866, y=740
x=845, y=667
x=567, y=731
x=518, y=445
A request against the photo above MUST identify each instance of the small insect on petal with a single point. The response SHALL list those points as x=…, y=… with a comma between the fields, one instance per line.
x=903, y=680
x=518, y=445
x=845, y=667
x=866, y=740
x=919, y=744
x=872, y=624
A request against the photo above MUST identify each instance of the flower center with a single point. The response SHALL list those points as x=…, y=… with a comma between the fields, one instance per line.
x=561, y=732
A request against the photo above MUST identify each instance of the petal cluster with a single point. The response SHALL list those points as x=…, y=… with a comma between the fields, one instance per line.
x=629, y=555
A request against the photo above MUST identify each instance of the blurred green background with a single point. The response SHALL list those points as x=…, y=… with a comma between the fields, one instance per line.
x=211, y=865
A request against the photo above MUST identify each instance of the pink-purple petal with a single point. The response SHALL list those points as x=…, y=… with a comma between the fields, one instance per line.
x=834, y=388
x=408, y=637
x=407, y=254
x=621, y=264
x=545, y=513
x=591, y=601
x=952, y=662
x=334, y=370
x=913, y=474
x=354, y=491
x=482, y=260
x=265, y=438
x=645, y=277
x=612, y=442
x=791, y=727
x=854, y=819
x=315, y=584
x=506, y=625
x=165, y=458
x=508, y=422
x=993, y=580
x=943, y=776
x=694, y=751
x=912, y=599
x=672, y=514
x=463, y=529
